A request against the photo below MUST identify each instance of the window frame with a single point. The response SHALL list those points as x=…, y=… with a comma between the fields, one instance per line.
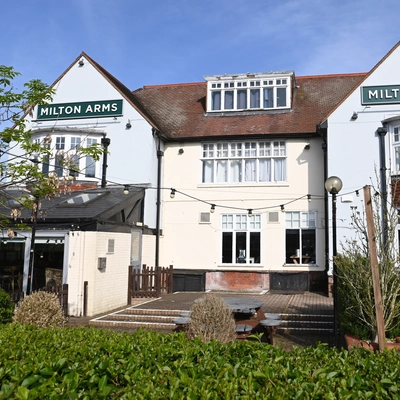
x=306, y=221
x=248, y=93
x=237, y=224
x=396, y=148
x=260, y=162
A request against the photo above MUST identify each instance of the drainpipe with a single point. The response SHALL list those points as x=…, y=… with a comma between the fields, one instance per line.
x=160, y=154
x=381, y=131
x=322, y=131
x=32, y=250
x=105, y=142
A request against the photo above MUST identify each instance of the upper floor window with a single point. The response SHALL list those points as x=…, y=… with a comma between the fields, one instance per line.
x=243, y=162
x=396, y=148
x=248, y=92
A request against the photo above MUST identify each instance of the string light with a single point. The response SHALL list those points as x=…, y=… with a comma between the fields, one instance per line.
x=282, y=208
x=212, y=208
x=250, y=213
x=357, y=193
x=126, y=189
x=172, y=195
x=309, y=198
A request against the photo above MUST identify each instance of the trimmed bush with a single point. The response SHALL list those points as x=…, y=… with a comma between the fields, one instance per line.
x=40, y=309
x=211, y=319
x=6, y=307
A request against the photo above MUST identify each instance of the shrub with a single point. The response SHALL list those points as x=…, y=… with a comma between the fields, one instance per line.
x=40, y=309
x=211, y=318
x=6, y=307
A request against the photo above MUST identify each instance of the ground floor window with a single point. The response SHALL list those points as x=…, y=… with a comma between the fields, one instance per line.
x=300, y=237
x=241, y=239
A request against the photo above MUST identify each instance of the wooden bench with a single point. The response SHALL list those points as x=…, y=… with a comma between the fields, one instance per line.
x=242, y=331
x=181, y=323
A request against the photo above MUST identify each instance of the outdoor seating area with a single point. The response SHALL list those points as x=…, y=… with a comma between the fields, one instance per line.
x=249, y=318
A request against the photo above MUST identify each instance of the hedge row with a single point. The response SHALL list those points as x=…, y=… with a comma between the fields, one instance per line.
x=75, y=363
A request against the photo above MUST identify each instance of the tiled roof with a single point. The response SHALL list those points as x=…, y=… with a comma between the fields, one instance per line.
x=179, y=110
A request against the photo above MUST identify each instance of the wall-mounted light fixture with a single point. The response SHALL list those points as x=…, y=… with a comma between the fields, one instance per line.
x=128, y=124
x=354, y=116
x=126, y=189
x=180, y=151
x=307, y=146
x=81, y=62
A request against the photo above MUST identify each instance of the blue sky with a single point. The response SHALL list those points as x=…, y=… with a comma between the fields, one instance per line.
x=145, y=42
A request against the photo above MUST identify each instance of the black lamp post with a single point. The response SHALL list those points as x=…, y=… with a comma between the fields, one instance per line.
x=333, y=185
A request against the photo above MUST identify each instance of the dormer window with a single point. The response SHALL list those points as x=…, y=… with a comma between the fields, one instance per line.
x=249, y=92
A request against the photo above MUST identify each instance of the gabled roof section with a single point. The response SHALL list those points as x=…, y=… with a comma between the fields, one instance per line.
x=179, y=110
x=366, y=75
x=119, y=86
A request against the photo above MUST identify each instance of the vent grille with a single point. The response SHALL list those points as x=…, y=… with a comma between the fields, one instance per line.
x=205, y=218
x=273, y=217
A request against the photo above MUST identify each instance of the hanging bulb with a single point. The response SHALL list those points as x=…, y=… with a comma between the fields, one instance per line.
x=309, y=198
x=282, y=208
x=172, y=195
x=126, y=189
x=357, y=193
x=250, y=213
x=212, y=208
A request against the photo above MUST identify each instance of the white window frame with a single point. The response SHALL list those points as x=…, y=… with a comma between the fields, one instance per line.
x=247, y=162
x=396, y=149
x=65, y=146
x=305, y=220
x=258, y=92
x=241, y=223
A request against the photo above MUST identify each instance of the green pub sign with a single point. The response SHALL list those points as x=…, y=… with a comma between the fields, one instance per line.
x=371, y=95
x=87, y=109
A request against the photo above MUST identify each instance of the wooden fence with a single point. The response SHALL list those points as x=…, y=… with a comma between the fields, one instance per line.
x=150, y=282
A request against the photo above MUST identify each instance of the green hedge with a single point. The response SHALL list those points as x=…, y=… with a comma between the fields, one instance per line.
x=82, y=363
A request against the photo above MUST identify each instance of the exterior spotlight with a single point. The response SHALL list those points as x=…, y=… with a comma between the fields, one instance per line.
x=282, y=208
x=172, y=195
x=128, y=124
x=126, y=189
x=309, y=198
x=212, y=208
x=354, y=116
x=81, y=63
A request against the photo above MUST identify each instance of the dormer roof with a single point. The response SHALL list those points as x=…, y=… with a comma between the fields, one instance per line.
x=179, y=110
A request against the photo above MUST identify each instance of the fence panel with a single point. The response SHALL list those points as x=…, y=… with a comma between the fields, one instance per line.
x=150, y=282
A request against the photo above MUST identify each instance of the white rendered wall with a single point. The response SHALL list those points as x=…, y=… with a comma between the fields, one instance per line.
x=188, y=244
x=108, y=288
x=132, y=155
x=353, y=146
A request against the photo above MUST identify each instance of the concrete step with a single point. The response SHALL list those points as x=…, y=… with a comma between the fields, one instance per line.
x=133, y=318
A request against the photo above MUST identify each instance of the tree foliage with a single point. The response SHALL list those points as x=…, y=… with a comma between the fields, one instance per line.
x=354, y=273
x=21, y=157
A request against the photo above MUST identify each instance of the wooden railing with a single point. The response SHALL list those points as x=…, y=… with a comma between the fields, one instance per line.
x=150, y=282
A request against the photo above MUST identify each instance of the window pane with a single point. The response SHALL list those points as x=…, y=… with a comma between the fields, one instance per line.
x=236, y=171
x=308, y=246
x=241, y=222
x=268, y=97
x=45, y=165
x=281, y=97
x=264, y=174
x=241, y=247
x=208, y=171
x=227, y=242
x=250, y=170
x=279, y=170
x=241, y=99
x=292, y=244
x=222, y=171
x=90, y=167
x=255, y=247
x=228, y=104
x=255, y=222
x=216, y=100
x=254, y=98
x=59, y=161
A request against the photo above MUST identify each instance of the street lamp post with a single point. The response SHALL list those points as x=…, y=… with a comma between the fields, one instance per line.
x=333, y=185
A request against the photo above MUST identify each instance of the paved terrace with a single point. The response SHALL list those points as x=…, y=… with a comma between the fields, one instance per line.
x=297, y=303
